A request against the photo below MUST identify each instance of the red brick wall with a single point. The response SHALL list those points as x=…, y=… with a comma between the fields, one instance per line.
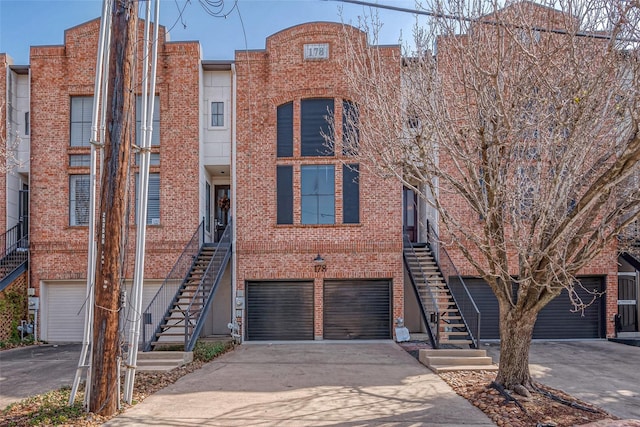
x=265, y=250
x=58, y=251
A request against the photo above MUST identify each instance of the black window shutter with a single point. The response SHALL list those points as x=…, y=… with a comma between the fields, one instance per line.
x=284, y=190
x=350, y=133
x=315, y=114
x=285, y=130
x=351, y=193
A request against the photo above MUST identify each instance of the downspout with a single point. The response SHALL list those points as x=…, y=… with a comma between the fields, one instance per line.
x=234, y=223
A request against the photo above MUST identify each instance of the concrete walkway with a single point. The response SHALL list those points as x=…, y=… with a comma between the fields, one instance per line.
x=310, y=384
x=600, y=372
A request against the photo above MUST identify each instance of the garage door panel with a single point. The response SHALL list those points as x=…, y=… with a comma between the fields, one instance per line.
x=357, y=310
x=555, y=321
x=487, y=304
x=558, y=319
x=279, y=311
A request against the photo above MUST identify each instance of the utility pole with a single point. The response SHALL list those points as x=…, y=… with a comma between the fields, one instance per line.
x=112, y=223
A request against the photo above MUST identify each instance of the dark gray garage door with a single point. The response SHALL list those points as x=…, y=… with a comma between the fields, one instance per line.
x=555, y=321
x=279, y=311
x=357, y=309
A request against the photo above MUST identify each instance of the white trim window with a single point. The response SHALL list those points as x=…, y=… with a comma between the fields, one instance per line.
x=79, y=199
x=81, y=112
x=216, y=112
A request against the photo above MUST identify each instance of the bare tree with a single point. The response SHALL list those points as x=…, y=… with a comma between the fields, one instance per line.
x=522, y=119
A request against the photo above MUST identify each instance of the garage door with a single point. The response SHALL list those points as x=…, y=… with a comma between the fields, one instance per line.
x=63, y=309
x=279, y=311
x=64, y=320
x=357, y=309
x=555, y=321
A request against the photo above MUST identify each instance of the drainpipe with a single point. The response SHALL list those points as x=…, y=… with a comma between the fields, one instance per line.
x=234, y=147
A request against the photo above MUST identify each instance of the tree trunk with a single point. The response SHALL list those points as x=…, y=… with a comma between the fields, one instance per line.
x=516, y=331
x=112, y=220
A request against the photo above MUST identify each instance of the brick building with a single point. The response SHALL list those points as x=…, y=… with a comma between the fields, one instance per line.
x=317, y=236
x=319, y=243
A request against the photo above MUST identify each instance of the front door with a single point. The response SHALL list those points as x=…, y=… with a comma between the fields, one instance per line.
x=222, y=207
x=628, y=302
x=410, y=214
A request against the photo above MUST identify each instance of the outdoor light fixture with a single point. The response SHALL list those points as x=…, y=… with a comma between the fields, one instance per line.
x=319, y=264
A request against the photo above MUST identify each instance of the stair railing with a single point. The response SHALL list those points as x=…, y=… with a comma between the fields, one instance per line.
x=459, y=291
x=206, y=289
x=14, y=250
x=160, y=305
x=429, y=313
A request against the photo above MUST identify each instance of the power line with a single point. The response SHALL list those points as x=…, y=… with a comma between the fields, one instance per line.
x=486, y=22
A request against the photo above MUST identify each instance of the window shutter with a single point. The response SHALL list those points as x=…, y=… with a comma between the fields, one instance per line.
x=350, y=133
x=284, y=190
x=315, y=116
x=351, y=193
x=285, y=130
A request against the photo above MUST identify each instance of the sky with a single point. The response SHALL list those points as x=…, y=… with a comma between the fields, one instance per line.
x=25, y=23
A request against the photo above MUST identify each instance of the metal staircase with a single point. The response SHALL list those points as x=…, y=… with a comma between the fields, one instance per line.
x=185, y=315
x=448, y=311
x=14, y=255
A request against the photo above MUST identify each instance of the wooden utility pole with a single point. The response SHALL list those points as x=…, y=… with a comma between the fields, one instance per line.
x=112, y=220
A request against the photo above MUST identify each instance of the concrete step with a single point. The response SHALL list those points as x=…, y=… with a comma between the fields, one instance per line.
x=150, y=361
x=448, y=360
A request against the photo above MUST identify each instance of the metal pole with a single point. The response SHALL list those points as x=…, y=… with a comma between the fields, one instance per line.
x=148, y=100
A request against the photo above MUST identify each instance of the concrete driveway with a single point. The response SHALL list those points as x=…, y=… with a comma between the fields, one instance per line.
x=310, y=384
x=601, y=372
x=37, y=369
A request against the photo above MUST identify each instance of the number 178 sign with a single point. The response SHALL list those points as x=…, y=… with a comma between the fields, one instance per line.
x=316, y=51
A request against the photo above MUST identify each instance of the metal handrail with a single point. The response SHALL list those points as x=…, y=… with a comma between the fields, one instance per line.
x=206, y=289
x=13, y=239
x=430, y=314
x=459, y=291
x=14, y=250
x=161, y=303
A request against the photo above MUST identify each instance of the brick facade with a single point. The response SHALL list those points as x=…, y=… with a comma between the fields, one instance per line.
x=269, y=251
x=58, y=250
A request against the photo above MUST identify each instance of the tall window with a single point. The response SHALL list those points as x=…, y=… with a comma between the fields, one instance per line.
x=79, y=199
x=285, y=130
x=350, y=133
x=284, y=194
x=317, y=195
x=81, y=111
x=153, y=198
x=155, y=137
x=314, y=115
x=351, y=194
x=217, y=114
